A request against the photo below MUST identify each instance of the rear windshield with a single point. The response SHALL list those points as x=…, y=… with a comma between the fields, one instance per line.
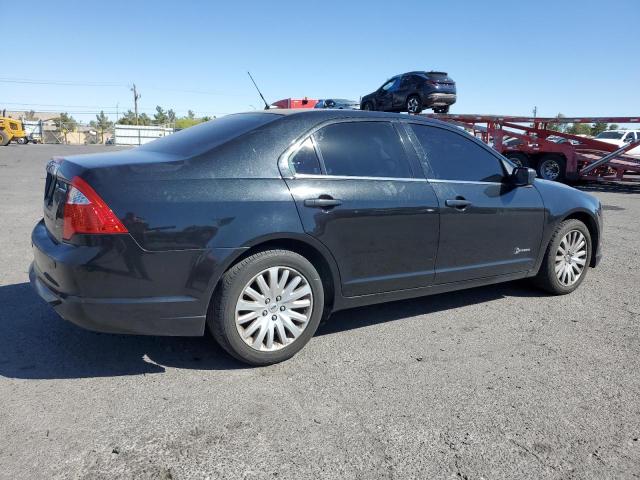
x=437, y=75
x=613, y=135
x=202, y=138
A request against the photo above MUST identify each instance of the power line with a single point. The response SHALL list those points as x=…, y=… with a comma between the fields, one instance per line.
x=73, y=83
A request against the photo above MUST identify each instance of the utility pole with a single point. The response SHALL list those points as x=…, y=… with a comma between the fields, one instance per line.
x=136, y=96
x=535, y=110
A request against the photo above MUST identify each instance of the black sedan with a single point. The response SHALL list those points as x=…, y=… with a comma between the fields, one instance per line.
x=258, y=225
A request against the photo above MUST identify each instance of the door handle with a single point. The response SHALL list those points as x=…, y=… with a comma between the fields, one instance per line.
x=458, y=203
x=322, y=202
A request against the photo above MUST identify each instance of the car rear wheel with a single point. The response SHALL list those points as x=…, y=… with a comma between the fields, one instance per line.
x=414, y=104
x=566, y=260
x=267, y=307
x=519, y=159
x=444, y=109
x=367, y=106
x=552, y=167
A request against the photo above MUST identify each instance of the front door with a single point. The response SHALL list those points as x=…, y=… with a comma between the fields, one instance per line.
x=357, y=193
x=384, y=95
x=488, y=227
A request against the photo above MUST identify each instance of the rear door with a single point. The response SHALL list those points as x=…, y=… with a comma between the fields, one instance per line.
x=488, y=227
x=359, y=194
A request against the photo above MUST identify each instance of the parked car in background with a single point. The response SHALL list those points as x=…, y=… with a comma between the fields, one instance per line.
x=338, y=103
x=620, y=138
x=258, y=225
x=294, y=103
x=413, y=92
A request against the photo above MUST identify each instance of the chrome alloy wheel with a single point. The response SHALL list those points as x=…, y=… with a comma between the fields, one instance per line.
x=412, y=105
x=274, y=308
x=571, y=258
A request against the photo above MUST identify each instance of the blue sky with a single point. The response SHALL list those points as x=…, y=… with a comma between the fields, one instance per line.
x=574, y=57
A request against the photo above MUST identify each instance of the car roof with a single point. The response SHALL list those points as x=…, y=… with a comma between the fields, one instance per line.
x=329, y=114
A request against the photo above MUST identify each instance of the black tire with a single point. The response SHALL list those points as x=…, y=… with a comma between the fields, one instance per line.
x=546, y=279
x=22, y=140
x=444, y=109
x=4, y=138
x=368, y=106
x=520, y=159
x=552, y=167
x=413, y=104
x=222, y=314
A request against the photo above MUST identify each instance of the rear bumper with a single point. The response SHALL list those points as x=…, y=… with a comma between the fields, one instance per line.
x=142, y=316
x=440, y=99
x=114, y=286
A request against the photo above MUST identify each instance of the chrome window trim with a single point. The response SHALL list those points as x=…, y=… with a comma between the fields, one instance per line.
x=347, y=177
x=471, y=182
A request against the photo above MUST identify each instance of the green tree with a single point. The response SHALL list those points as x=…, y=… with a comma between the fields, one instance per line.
x=128, y=118
x=143, y=119
x=101, y=124
x=191, y=115
x=579, y=129
x=65, y=123
x=614, y=126
x=160, y=117
x=597, y=128
x=185, y=122
x=30, y=115
x=557, y=127
x=171, y=116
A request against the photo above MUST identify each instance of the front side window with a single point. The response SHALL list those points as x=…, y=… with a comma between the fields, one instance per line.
x=389, y=85
x=451, y=156
x=305, y=160
x=362, y=149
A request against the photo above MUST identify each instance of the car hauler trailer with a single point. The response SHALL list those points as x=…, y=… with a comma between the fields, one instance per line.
x=526, y=141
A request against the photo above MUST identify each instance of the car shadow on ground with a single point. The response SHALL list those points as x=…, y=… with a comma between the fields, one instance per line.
x=35, y=343
x=609, y=187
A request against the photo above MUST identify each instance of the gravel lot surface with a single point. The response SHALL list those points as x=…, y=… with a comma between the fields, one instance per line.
x=494, y=382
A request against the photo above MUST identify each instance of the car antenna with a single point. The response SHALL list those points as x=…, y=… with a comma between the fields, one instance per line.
x=266, y=105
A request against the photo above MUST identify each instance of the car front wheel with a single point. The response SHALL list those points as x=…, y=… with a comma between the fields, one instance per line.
x=267, y=307
x=367, y=106
x=566, y=260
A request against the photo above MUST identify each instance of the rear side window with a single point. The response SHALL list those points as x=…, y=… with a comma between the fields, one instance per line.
x=362, y=149
x=305, y=160
x=202, y=138
x=452, y=156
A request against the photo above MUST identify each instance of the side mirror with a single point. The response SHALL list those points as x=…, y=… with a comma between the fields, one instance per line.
x=523, y=176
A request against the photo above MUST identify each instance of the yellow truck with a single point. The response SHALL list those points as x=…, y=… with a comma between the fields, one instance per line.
x=12, y=129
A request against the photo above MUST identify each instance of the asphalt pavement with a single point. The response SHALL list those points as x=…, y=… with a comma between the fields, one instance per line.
x=499, y=382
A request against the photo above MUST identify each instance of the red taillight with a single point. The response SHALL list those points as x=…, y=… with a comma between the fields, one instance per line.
x=86, y=212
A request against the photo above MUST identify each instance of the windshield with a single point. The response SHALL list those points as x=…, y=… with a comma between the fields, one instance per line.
x=201, y=138
x=613, y=135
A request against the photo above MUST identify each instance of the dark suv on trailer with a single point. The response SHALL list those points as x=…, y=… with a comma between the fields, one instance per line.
x=257, y=225
x=413, y=92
